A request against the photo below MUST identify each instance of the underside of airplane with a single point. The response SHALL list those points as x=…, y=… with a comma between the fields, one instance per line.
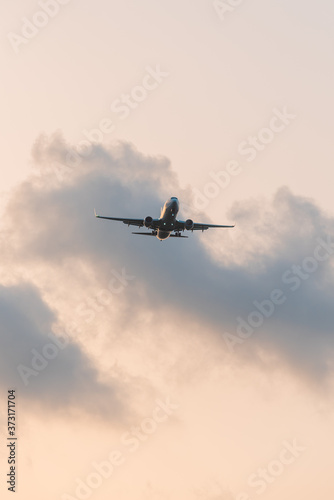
x=167, y=226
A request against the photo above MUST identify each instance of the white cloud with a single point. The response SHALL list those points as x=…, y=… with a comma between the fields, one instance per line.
x=51, y=234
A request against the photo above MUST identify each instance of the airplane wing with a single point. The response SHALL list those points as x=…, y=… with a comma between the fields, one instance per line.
x=198, y=226
x=202, y=227
x=128, y=222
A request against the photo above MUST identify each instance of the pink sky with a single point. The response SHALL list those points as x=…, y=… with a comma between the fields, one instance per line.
x=154, y=393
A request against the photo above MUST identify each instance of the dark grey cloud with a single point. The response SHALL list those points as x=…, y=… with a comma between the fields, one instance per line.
x=53, y=222
x=52, y=371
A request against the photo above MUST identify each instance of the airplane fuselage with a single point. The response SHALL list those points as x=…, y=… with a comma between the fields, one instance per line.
x=168, y=218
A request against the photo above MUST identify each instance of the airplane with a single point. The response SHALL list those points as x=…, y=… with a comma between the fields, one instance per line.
x=167, y=224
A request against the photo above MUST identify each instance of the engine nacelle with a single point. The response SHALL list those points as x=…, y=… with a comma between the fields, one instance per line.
x=189, y=224
x=148, y=221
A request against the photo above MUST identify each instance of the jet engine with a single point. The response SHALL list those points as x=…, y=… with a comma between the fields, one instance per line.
x=148, y=221
x=189, y=224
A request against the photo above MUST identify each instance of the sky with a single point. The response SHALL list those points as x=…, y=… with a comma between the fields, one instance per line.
x=201, y=369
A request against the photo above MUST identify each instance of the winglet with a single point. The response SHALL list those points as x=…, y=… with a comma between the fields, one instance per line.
x=95, y=213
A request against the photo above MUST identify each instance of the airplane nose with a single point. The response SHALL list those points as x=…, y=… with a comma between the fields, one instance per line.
x=174, y=204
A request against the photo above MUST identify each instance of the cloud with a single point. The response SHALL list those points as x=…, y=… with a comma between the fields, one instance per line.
x=50, y=222
x=47, y=369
